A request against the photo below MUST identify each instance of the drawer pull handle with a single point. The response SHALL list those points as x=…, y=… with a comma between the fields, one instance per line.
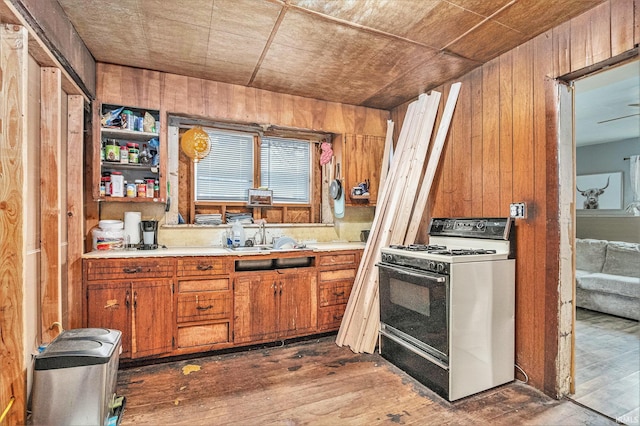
x=338, y=294
x=337, y=317
x=204, y=308
x=205, y=267
x=132, y=270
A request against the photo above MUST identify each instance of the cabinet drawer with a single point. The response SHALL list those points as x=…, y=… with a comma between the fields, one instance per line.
x=123, y=269
x=204, y=306
x=211, y=284
x=339, y=274
x=202, y=266
x=338, y=259
x=335, y=293
x=204, y=335
x=330, y=317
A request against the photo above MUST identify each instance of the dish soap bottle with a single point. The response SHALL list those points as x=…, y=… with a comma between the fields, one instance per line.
x=237, y=234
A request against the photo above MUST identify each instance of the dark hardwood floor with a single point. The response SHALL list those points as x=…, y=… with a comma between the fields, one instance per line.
x=608, y=365
x=318, y=383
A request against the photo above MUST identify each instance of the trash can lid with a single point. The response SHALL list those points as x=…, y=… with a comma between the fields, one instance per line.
x=67, y=353
x=100, y=334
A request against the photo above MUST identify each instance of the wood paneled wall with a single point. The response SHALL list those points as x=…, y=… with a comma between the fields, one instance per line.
x=198, y=98
x=502, y=148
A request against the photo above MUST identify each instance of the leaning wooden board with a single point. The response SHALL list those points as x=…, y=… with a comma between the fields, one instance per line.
x=398, y=214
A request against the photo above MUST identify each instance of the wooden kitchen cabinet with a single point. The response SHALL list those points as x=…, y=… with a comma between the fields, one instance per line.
x=273, y=305
x=204, y=304
x=362, y=161
x=133, y=296
x=131, y=171
x=336, y=275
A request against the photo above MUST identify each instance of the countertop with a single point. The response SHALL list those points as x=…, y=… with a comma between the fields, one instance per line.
x=216, y=251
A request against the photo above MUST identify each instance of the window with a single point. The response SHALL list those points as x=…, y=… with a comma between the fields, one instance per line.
x=228, y=172
x=285, y=169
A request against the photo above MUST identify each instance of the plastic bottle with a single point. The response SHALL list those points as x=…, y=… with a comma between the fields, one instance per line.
x=237, y=232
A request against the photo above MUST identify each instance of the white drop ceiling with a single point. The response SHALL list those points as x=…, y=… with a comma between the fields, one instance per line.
x=607, y=105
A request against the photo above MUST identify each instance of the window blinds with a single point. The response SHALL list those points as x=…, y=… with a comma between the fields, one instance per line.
x=227, y=172
x=285, y=168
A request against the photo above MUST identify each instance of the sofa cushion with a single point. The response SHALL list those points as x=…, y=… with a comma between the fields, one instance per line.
x=606, y=283
x=590, y=254
x=622, y=259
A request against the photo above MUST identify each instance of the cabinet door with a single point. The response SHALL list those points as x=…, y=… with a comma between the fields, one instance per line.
x=256, y=301
x=297, y=313
x=151, y=321
x=362, y=159
x=109, y=306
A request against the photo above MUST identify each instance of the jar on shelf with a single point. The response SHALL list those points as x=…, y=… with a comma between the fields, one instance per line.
x=149, y=184
x=106, y=180
x=117, y=184
x=133, y=152
x=124, y=154
x=141, y=188
x=131, y=190
x=128, y=120
x=156, y=189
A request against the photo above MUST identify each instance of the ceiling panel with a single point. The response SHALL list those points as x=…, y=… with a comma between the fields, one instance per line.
x=377, y=53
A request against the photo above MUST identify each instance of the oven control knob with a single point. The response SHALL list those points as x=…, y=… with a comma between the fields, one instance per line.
x=386, y=257
x=440, y=266
x=431, y=265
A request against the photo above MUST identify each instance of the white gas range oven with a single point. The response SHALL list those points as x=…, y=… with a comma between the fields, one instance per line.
x=447, y=314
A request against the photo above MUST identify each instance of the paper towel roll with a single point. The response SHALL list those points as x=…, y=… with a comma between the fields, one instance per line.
x=132, y=227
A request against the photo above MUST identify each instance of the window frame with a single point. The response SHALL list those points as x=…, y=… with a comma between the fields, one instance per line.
x=310, y=213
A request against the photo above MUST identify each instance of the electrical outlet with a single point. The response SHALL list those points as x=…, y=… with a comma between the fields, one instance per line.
x=518, y=210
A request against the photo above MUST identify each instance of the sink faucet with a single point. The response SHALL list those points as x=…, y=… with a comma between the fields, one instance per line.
x=262, y=231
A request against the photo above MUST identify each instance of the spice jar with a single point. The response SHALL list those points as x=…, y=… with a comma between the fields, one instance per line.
x=156, y=189
x=133, y=152
x=124, y=154
x=141, y=187
x=149, y=185
x=131, y=190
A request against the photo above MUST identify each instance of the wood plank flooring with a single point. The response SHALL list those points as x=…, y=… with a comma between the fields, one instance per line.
x=316, y=382
x=608, y=365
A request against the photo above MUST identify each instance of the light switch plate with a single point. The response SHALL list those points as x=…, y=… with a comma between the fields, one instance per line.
x=518, y=210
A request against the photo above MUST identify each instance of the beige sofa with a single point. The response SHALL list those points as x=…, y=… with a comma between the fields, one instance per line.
x=608, y=277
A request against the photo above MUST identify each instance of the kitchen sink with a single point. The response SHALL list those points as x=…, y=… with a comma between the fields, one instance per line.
x=249, y=249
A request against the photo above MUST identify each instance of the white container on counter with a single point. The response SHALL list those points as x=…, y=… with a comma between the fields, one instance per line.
x=109, y=235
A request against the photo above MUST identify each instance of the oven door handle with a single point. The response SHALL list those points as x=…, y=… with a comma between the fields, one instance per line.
x=411, y=273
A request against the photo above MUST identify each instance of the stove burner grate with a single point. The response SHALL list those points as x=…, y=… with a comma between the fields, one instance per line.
x=463, y=252
x=418, y=247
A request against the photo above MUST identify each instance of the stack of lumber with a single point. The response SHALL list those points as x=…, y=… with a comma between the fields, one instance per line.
x=399, y=211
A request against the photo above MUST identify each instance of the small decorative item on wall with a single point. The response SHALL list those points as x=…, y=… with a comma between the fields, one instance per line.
x=602, y=191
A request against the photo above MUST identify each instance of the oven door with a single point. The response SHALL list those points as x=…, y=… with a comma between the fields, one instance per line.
x=414, y=306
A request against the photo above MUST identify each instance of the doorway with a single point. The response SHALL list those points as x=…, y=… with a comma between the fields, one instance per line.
x=606, y=350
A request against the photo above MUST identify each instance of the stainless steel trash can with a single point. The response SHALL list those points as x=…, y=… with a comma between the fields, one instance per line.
x=74, y=380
